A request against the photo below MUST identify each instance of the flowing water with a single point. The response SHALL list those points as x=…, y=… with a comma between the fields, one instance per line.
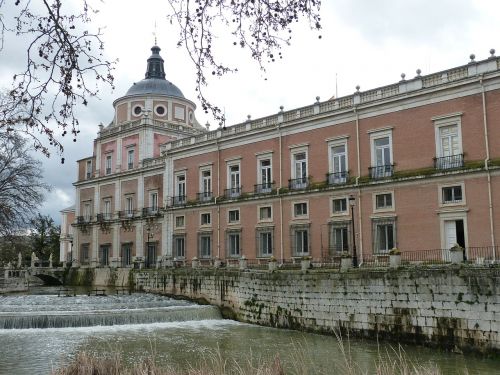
x=38, y=332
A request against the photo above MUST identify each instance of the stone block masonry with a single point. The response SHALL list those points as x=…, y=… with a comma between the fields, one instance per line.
x=453, y=307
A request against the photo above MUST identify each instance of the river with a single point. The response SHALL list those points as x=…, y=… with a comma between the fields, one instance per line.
x=39, y=331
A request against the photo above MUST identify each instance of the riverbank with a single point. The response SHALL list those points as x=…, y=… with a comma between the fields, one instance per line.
x=452, y=307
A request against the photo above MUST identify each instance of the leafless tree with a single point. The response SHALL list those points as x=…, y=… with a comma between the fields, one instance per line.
x=21, y=186
x=64, y=60
x=262, y=27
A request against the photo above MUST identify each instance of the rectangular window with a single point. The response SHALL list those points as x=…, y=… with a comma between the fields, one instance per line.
x=300, y=209
x=180, y=189
x=383, y=201
x=449, y=152
x=339, y=237
x=129, y=206
x=126, y=254
x=205, y=245
x=179, y=221
x=84, y=254
x=452, y=194
x=87, y=211
x=265, y=242
x=234, y=216
x=106, y=209
x=338, y=171
x=130, y=158
x=265, y=213
x=233, y=244
x=339, y=206
x=381, y=148
x=300, y=241
x=384, y=235
x=88, y=169
x=299, y=171
x=153, y=201
x=150, y=260
x=234, y=181
x=264, y=179
x=205, y=219
x=109, y=159
x=206, y=185
x=104, y=255
x=180, y=246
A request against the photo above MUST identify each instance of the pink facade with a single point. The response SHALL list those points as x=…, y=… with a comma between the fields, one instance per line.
x=414, y=166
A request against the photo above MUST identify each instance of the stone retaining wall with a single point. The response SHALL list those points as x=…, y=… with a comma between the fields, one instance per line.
x=456, y=307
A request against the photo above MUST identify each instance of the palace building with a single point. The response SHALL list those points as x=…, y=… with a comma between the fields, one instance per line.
x=413, y=165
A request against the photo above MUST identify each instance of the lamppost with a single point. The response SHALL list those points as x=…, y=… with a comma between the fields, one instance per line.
x=352, y=202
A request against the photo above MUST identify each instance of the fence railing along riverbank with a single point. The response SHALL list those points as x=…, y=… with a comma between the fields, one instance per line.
x=471, y=255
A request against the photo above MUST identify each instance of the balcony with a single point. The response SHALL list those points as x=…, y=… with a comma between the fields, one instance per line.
x=104, y=217
x=337, y=178
x=449, y=162
x=232, y=193
x=150, y=211
x=381, y=171
x=265, y=188
x=298, y=183
x=83, y=219
x=179, y=200
x=127, y=214
x=204, y=196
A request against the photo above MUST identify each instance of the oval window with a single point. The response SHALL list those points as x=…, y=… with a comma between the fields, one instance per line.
x=160, y=110
x=137, y=110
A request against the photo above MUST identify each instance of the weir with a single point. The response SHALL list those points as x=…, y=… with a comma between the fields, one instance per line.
x=58, y=312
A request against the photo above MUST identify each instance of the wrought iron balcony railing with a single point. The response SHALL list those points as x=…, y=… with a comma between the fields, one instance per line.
x=204, y=196
x=104, y=217
x=449, y=162
x=381, y=171
x=150, y=211
x=265, y=188
x=298, y=183
x=179, y=200
x=233, y=192
x=337, y=178
x=127, y=214
x=83, y=219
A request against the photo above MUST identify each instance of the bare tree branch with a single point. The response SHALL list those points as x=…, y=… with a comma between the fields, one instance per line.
x=261, y=26
x=63, y=59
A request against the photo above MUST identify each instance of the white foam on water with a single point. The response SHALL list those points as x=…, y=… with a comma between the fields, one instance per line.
x=213, y=324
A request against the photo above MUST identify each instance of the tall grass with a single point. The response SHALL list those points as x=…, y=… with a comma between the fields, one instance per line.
x=394, y=362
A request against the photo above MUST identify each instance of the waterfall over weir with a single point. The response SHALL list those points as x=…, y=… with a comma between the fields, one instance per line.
x=48, y=311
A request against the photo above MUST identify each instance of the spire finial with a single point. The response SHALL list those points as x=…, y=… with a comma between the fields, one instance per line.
x=154, y=34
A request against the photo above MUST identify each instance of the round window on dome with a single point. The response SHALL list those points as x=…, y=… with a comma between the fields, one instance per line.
x=160, y=110
x=191, y=117
x=137, y=111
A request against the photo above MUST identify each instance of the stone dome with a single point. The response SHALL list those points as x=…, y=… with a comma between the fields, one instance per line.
x=155, y=86
x=155, y=82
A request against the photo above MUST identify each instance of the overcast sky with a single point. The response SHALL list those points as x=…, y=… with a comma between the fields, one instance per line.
x=364, y=42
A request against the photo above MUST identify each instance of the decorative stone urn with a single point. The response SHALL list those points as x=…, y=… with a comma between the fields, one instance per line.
x=272, y=264
x=243, y=263
x=217, y=262
x=305, y=263
x=195, y=262
x=394, y=258
x=345, y=262
x=457, y=254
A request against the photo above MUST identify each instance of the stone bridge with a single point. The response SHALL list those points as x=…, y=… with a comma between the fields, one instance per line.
x=49, y=275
